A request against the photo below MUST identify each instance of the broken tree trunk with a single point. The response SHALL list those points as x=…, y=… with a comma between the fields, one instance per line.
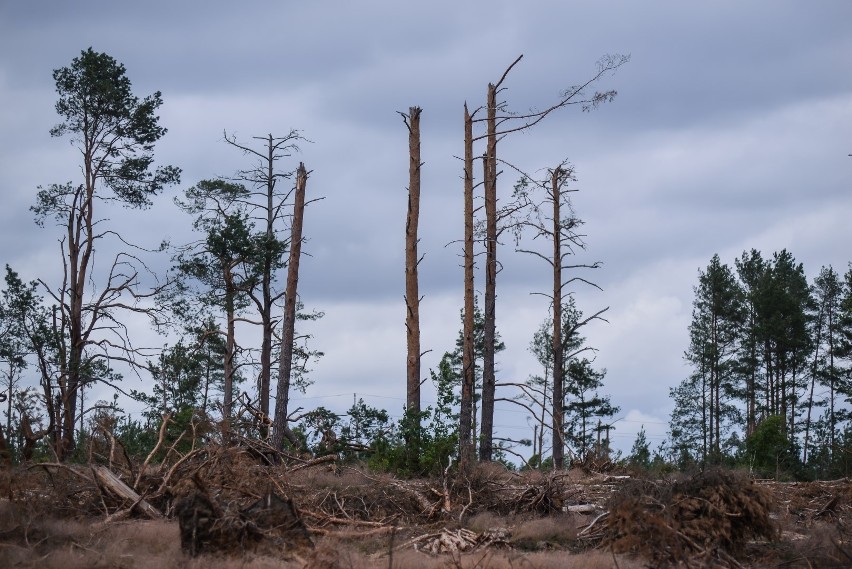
x=412, y=293
x=488, y=373
x=466, y=450
x=112, y=483
x=285, y=364
x=558, y=348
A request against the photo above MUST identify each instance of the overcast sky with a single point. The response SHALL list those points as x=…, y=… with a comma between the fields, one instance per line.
x=730, y=131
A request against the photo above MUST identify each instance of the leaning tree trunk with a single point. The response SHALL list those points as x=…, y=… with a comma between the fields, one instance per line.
x=490, y=324
x=468, y=371
x=412, y=293
x=558, y=351
x=285, y=363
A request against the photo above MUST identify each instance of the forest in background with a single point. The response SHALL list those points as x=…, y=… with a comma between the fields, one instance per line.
x=770, y=352
x=770, y=387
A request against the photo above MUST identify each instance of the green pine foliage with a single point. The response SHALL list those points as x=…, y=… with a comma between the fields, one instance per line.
x=771, y=379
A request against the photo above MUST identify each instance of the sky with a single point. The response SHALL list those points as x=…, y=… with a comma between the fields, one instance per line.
x=731, y=130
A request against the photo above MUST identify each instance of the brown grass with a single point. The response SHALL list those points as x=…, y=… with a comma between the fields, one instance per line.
x=156, y=545
x=545, y=533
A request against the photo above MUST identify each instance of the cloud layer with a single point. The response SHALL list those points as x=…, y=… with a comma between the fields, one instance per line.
x=731, y=130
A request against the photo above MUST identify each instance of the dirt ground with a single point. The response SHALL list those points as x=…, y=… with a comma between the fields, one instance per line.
x=62, y=517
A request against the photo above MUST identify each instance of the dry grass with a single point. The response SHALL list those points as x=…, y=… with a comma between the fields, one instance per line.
x=545, y=533
x=156, y=545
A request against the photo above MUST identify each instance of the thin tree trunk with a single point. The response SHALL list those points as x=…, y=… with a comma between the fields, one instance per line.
x=490, y=324
x=230, y=348
x=266, y=286
x=831, y=376
x=80, y=246
x=751, y=421
x=542, y=418
x=558, y=352
x=285, y=364
x=9, y=402
x=466, y=450
x=704, y=407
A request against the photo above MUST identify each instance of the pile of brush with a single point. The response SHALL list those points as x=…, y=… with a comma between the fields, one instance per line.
x=706, y=519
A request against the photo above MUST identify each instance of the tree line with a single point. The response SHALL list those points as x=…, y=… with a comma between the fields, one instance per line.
x=771, y=359
x=215, y=381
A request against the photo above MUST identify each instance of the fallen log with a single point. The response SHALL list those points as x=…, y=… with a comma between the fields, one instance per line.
x=113, y=483
x=581, y=509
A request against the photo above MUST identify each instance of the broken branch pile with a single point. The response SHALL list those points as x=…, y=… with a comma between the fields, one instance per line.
x=707, y=518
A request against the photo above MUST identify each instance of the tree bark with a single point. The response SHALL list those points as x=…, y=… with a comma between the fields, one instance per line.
x=558, y=351
x=230, y=349
x=114, y=484
x=285, y=363
x=266, y=286
x=412, y=294
x=468, y=361
x=490, y=324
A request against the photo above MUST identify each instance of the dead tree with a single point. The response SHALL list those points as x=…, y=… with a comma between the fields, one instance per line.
x=553, y=219
x=267, y=202
x=490, y=181
x=412, y=292
x=499, y=123
x=466, y=446
x=285, y=363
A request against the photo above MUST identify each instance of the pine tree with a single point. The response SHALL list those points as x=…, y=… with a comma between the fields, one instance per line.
x=450, y=368
x=640, y=454
x=716, y=318
x=582, y=403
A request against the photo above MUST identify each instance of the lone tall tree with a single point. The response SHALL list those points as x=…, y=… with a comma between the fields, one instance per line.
x=115, y=132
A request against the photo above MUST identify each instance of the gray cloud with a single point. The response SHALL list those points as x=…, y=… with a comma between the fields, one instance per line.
x=730, y=131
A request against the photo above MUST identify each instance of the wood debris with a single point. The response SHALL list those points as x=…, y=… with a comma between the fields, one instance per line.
x=460, y=540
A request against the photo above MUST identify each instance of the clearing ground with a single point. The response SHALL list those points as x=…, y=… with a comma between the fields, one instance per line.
x=226, y=509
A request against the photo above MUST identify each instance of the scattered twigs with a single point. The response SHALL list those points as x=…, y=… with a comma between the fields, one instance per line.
x=175, y=466
x=325, y=519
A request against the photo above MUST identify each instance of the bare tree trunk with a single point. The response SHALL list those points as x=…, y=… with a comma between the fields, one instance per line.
x=285, y=364
x=230, y=349
x=412, y=293
x=266, y=286
x=468, y=371
x=542, y=419
x=832, y=418
x=80, y=247
x=558, y=352
x=265, y=179
x=490, y=324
